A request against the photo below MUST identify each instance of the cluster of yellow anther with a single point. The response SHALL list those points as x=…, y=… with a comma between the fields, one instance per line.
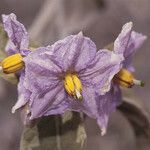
x=126, y=79
x=73, y=86
x=12, y=63
x=72, y=83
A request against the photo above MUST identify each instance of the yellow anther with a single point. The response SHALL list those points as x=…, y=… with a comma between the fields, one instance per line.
x=77, y=82
x=126, y=79
x=12, y=63
x=73, y=86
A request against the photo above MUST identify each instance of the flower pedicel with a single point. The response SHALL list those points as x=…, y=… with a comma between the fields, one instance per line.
x=70, y=74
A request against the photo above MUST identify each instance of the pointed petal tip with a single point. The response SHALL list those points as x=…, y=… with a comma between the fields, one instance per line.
x=130, y=23
x=11, y=15
x=103, y=131
x=103, y=122
x=3, y=15
x=80, y=33
x=127, y=27
x=13, y=110
x=145, y=37
x=139, y=36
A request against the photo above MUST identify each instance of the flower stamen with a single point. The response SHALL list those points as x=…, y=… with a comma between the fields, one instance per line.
x=12, y=64
x=126, y=79
x=73, y=86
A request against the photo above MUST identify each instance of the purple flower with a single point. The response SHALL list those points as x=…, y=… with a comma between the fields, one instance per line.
x=69, y=75
x=125, y=46
x=18, y=43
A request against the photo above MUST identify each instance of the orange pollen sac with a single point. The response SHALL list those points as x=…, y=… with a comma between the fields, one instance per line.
x=126, y=79
x=73, y=86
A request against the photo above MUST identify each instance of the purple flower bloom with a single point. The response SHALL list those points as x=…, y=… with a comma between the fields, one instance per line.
x=69, y=75
x=18, y=43
x=125, y=46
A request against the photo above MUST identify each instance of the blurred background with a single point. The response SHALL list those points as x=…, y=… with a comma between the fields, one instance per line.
x=101, y=20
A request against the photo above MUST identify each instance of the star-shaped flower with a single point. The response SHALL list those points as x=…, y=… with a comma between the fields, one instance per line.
x=17, y=47
x=125, y=46
x=68, y=75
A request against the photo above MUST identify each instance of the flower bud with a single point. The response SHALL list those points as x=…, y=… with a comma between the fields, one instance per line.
x=12, y=63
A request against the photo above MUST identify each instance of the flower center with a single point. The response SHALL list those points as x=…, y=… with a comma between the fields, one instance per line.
x=126, y=79
x=12, y=63
x=73, y=86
